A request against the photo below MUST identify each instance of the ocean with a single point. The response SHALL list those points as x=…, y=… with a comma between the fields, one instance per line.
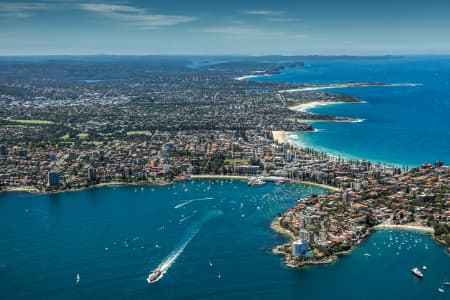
x=404, y=125
x=115, y=236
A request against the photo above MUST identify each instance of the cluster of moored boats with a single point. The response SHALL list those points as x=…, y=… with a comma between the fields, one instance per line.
x=419, y=274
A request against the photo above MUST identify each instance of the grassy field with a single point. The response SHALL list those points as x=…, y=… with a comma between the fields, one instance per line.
x=33, y=122
x=83, y=136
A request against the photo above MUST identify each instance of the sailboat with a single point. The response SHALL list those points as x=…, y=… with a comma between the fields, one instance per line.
x=78, y=278
x=447, y=283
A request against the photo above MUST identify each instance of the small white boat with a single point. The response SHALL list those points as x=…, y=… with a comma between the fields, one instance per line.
x=441, y=290
x=417, y=272
x=210, y=264
x=424, y=268
x=367, y=254
x=78, y=278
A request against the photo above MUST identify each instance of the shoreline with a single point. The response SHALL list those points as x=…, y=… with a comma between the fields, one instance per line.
x=119, y=183
x=219, y=177
x=99, y=185
x=244, y=77
x=409, y=226
x=275, y=225
x=304, y=107
x=349, y=85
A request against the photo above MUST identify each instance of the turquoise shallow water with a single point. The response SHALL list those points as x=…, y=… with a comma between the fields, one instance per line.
x=48, y=239
x=404, y=125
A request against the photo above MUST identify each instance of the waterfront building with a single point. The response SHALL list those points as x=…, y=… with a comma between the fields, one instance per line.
x=300, y=247
x=53, y=179
x=306, y=235
x=248, y=170
x=92, y=174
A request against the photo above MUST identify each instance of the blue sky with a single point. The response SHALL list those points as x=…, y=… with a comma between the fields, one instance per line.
x=255, y=27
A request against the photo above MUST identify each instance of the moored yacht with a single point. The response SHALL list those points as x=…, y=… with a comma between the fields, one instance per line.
x=417, y=272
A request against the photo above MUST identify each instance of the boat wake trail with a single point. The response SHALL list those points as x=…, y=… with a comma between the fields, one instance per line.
x=190, y=234
x=186, y=202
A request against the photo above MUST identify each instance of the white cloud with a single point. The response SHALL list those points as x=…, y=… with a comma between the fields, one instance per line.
x=20, y=10
x=283, y=20
x=138, y=16
x=231, y=30
x=258, y=12
x=252, y=32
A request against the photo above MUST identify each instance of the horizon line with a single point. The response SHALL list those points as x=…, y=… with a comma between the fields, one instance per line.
x=225, y=54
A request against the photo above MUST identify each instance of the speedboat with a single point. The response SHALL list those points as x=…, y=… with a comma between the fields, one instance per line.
x=78, y=278
x=424, y=268
x=441, y=290
x=417, y=272
x=154, y=276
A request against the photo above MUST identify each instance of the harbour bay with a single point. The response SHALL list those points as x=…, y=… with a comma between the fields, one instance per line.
x=114, y=236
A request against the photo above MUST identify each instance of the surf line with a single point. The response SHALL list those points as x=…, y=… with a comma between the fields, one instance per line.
x=186, y=202
x=192, y=231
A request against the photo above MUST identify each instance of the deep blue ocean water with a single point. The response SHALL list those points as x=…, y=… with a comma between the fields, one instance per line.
x=404, y=125
x=47, y=239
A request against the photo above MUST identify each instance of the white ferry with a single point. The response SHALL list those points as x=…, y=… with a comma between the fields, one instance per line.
x=255, y=181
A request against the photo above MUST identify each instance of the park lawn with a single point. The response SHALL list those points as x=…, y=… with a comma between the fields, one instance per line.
x=83, y=136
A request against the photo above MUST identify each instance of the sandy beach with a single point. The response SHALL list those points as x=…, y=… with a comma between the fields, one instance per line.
x=250, y=76
x=409, y=226
x=280, y=137
x=275, y=225
x=28, y=189
x=306, y=106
